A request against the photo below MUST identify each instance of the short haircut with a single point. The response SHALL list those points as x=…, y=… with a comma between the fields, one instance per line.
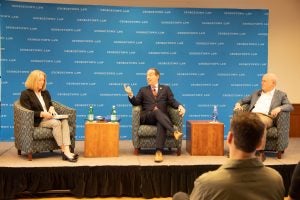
x=157, y=73
x=32, y=80
x=247, y=130
x=272, y=76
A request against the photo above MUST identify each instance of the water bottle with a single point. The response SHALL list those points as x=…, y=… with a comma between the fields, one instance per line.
x=215, y=114
x=113, y=114
x=91, y=114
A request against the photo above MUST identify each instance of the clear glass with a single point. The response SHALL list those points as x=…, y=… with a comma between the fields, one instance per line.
x=215, y=114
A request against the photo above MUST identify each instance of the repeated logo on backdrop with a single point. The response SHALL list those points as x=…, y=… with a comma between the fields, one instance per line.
x=207, y=56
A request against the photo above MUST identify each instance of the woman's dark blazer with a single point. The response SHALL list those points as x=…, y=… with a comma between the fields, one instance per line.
x=30, y=101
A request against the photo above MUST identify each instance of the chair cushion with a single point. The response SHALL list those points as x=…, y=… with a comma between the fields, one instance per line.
x=41, y=133
x=150, y=131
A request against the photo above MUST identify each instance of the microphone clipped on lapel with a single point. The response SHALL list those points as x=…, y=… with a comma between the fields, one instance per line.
x=259, y=93
x=159, y=88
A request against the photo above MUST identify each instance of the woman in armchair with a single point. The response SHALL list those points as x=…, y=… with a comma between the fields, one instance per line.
x=38, y=99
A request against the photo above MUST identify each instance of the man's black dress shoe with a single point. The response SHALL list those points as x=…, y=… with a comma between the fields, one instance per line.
x=76, y=155
x=64, y=157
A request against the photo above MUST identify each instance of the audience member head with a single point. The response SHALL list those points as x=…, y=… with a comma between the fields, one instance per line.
x=294, y=189
x=36, y=80
x=268, y=82
x=152, y=76
x=246, y=132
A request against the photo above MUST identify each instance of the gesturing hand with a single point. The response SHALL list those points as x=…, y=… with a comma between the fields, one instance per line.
x=238, y=107
x=52, y=111
x=46, y=115
x=275, y=111
x=128, y=90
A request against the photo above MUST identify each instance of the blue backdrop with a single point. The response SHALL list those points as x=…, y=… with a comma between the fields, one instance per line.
x=208, y=56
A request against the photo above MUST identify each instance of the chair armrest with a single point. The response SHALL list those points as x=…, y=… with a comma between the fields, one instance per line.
x=175, y=118
x=136, y=114
x=23, y=126
x=63, y=109
x=245, y=108
x=282, y=122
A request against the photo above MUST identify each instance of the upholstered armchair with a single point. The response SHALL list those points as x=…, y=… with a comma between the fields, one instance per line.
x=144, y=136
x=277, y=135
x=30, y=139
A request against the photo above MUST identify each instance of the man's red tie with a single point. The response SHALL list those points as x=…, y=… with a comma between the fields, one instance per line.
x=154, y=92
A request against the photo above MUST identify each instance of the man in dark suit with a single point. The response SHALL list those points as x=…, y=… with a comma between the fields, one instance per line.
x=266, y=103
x=154, y=100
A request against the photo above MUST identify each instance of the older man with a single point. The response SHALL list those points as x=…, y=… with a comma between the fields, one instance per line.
x=266, y=103
x=154, y=99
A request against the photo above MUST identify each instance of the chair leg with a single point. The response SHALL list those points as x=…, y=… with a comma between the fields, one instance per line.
x=178, y=151
x=30, y=156
x=136, y=151
x=279, y=154
x=260, y=154
x=19, y=152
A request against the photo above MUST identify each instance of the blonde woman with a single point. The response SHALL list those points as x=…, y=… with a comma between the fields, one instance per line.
x=38, y=99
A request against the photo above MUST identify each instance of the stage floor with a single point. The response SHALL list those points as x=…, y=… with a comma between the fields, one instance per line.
x=127, y=175
x=9, y=157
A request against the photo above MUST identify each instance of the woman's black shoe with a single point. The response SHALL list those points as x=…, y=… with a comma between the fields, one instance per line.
x=76, y=155
x=64, y=157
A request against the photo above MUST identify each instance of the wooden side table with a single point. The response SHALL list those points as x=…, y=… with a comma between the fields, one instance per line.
x=294, y=121
x=101, y=139
x=205, y=138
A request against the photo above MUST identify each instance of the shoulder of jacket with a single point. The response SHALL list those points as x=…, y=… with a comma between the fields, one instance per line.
x=45, y=91
x=144, y=87
x=276, y=90
x=279, y=92
x=28, y=91
x=163, y=86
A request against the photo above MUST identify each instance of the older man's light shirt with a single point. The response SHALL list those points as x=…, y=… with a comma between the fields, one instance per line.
x=264, y=102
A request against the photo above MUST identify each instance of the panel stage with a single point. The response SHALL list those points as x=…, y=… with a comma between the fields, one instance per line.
x=127, y=175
